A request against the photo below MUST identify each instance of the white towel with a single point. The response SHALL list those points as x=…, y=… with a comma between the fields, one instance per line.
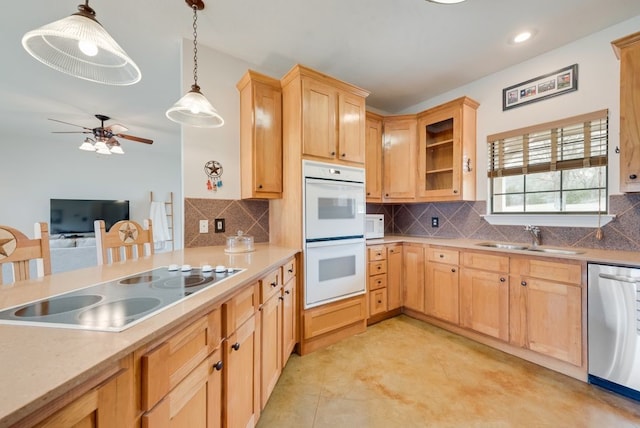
x=158, y=216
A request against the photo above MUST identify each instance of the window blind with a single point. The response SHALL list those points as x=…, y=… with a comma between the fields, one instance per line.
x=575, y=142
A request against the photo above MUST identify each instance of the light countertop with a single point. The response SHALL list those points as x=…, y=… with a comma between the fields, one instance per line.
x=39, y=364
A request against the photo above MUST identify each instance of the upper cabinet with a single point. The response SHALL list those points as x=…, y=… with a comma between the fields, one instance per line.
x=447, y=152
x=260, y=136
x=333, y=116
x=373, y=164
x=399, y=157
x=627, y=49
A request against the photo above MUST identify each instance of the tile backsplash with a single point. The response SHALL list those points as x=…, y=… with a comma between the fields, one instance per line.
x=252, y=217
x=464, y=220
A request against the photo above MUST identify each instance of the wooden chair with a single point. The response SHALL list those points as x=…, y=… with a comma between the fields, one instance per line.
x=18, y=250
x=126, y=240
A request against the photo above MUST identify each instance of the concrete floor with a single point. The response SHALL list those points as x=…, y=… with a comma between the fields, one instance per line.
x=406, y=373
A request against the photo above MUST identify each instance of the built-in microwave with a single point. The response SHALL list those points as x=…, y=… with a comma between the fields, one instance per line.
x=374, y=226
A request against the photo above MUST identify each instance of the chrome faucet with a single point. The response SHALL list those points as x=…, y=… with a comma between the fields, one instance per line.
x=536, y=236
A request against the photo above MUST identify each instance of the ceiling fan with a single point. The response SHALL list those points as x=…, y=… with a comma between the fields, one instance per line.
x=104, y=141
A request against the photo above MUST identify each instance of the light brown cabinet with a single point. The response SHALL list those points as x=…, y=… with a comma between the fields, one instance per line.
x=377, y=279
x=546, y=303
x=394, y=276
x=627, y=50
x=373, y=158
x=484, y=294
x=413, y=279
x=399, y=158
x=447, y=152
x=289, y=311
x=260, y=136
x=441, y=292
x=333, y=118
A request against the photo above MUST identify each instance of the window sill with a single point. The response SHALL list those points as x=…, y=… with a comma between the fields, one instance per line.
x=558, y=220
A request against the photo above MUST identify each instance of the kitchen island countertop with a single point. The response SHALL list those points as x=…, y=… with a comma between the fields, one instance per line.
x=40, y=364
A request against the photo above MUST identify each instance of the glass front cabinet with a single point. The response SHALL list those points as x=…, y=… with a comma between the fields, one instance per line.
x=447, y=152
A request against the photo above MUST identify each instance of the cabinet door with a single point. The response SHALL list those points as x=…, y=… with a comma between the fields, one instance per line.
x=547, y=318
x=394, y=276
x=399, y=157
x=373, y=159
x=484, y=302
x=377, y=301
x=441, y=294
x=629, y=113
x=351, y=126
x=319, y=135
x=195, y=402
x=267, y=162
x=241, y=385
x=413, y=284
x=271, y=346
x=289, y=320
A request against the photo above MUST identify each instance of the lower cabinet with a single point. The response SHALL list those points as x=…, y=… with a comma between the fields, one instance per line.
x=394, y=276
x=484, y=294
x=441, y=293
x=546, y=301
x=413, y=277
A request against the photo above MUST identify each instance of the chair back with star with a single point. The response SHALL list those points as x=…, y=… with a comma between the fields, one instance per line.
x=20, y=252
x=126, y=240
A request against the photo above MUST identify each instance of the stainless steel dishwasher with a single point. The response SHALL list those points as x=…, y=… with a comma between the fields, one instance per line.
x=614, y=328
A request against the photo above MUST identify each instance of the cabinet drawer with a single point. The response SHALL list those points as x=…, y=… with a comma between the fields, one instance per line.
x=394, y=249
x=566, y=271
x=484, y=261
x=377, y=252
x=377, y=268
x=270, y=284
x=442, y=255
x=289, y=271
x=165, y=366
x=239, y=308
x=333, y=316
x=378, y=301
x=377, y=281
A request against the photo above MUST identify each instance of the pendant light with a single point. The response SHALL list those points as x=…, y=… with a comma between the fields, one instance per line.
x=79, y=46
x=194, y=109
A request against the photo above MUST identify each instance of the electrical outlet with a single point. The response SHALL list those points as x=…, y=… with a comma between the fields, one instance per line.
x=435, y=222
x=204, y=226
x=219, y=225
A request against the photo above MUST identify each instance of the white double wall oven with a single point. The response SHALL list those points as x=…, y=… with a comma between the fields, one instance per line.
x=334, y=225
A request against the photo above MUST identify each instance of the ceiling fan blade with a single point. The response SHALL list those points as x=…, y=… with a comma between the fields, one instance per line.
x=71, y=132
x=72, y=124
x=133, y=138
x=116, y=128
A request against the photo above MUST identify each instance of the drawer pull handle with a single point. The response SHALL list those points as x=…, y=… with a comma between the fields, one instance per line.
x=274, y=284
x=502, y=279
x=442, y=256
x=523, y=283
x=290, y=270
x=218, y=366
x=235, y=346
x=281, y=297
x=287, y=292
x=633, y=176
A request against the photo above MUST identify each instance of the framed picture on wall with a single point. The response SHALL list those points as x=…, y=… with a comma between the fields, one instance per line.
x=542, y=87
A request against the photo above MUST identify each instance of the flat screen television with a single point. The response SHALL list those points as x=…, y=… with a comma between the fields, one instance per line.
x=76, y=216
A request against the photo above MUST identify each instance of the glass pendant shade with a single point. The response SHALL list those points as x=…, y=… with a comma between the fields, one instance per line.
x=195, y=110
x=115, y=147
x=79, y=46
x=87, y=145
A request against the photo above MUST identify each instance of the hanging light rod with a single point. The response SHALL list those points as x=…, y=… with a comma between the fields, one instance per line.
x=194, y=109
x=79, y=45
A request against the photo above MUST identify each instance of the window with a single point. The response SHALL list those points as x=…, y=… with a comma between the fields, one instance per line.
x=557, y=167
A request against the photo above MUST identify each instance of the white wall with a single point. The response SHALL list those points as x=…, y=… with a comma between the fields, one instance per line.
x=598, y=88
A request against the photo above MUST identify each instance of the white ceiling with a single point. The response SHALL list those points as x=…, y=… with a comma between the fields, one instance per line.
x=402, y=51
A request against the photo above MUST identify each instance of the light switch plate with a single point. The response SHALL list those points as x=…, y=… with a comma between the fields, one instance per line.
x=204, y=226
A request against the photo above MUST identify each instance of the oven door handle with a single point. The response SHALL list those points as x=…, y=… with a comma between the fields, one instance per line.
x=318, y=243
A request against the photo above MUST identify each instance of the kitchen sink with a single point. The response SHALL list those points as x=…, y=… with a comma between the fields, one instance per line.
x=505, y=246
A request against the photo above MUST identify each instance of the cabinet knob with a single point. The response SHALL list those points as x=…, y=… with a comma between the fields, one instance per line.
x=274, y=284
x=386, y=195
x=502, y=279
x=281, y=297
x=333, y=153
x=379, y=282
x=259, y=186
x=344, y=155
x=287, y=292
x=523, y=283
x=379, y=302
x=633, y=176
x=290, y=270
x=442, y=256
x=453, y=270
x=235, y=346
x=455, y=191
x=218, y=366
x=379, y=267
x=368, y=193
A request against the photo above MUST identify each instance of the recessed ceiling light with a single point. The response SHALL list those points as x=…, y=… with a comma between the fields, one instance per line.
x=522, y=37
x=446, y=1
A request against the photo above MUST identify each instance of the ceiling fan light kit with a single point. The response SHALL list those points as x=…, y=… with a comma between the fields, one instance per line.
x=446, y=1
x=194, y=109
x=79, y=46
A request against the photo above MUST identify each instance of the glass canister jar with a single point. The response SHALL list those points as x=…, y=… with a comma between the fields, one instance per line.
x=239, y=243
